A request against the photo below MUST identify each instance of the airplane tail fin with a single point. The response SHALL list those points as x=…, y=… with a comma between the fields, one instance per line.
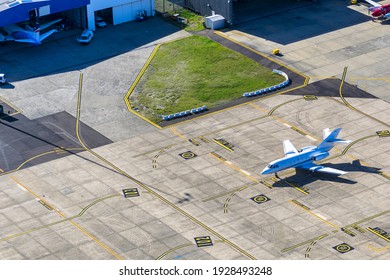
x=330, y=138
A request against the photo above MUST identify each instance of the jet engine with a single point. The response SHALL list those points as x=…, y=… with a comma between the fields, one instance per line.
x=319, y=156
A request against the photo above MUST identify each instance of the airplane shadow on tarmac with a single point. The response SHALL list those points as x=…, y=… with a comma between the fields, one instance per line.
x=304, y=177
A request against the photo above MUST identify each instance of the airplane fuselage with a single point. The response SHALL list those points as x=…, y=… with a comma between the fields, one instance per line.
x=308, y=154
x=18, y=33
x=380, y=11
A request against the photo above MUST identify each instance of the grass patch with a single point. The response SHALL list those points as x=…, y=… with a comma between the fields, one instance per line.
x=194, y=22
x=196, y=71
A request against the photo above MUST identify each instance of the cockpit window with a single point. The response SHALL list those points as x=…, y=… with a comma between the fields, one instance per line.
x=273, y=166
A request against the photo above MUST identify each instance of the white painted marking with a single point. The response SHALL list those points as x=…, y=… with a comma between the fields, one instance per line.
x=228, y=162
x=245, y=172
x=20, y=187
x=322, y=217
x=311, y=138
x=285, y=124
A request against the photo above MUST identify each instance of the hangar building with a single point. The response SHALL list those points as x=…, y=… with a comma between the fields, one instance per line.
x=238, y=11
x=80, y=12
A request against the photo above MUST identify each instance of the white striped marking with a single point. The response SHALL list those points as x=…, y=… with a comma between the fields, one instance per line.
x=311, y=138
x=20, y=187
x=245, y=172
x=228, y=162
x=289, y=126
x=322, y=217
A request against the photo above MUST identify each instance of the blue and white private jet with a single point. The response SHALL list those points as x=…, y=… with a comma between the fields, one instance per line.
x=303, y=159
x=28, y=34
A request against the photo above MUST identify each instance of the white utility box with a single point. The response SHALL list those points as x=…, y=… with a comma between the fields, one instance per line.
x=215, y=22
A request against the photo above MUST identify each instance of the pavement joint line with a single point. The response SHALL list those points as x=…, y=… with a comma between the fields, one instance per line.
x=370, y=230
x=17, y=110
x=346, y=103
x=144, y=186
x=37, y=156
x=72, y=222
x=225, y=193
x=221, y=34
x=257, y=107
x=282, y=104
x=353, y=224
x=56, y=222
x=172, y=250
x=378, y=249
x=304, y=243
x=235, y=125
x=177, y=133
x=155, y=150
x=314, y=214
x=235, y=168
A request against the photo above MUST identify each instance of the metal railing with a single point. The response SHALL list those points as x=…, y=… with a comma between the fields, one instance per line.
x=168, y=6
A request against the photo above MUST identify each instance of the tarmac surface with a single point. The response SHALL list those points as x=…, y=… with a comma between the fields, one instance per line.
x=192, y=190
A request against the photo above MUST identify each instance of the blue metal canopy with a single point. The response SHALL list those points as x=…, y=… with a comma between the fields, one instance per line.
x=14, y=11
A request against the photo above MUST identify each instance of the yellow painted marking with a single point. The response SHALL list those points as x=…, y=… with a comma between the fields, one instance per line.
x=288, y=183
x=57, y=222
x=266, y=184
x=374, y=232
x=220, y=144
x=257, y=107
x=225, y=193
x=371, y=79
x=148, y=189
x=312, y=213
x=72, y=222
x=173, y=250
x=311, y=138
x=349, y=105
x=137, y=79
x=259, y=53
x=235, y=168
x=17, y=110
x=379, y=249
x=282, y=104
x=304, y=243
x=177, y=133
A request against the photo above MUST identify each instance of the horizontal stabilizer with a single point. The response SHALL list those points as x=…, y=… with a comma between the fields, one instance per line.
x=289, y=148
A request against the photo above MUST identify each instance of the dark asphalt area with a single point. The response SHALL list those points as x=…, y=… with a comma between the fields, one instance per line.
x=22, y=138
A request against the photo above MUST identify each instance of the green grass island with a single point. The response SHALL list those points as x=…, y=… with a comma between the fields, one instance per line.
x=193, y=72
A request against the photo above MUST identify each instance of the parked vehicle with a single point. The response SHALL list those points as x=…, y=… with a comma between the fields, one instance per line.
x=85, y=37
x=100, y=22
x=2, y=79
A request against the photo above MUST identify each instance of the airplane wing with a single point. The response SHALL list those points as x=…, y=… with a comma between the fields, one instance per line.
x=289, y=148
x=30, y=41
x=47, y=34
x=46, y=25
x=322, y=169
x=375, y=4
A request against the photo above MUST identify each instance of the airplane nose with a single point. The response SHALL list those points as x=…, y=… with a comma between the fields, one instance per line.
x=265, y=171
